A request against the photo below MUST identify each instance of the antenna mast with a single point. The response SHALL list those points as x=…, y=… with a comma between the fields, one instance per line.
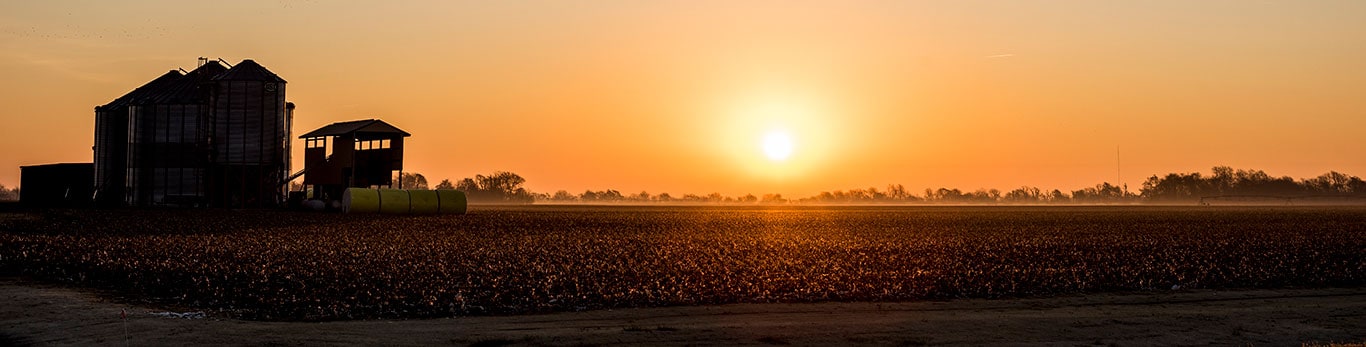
x=1119, y=177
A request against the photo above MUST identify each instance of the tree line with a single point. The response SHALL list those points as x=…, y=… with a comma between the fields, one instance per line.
x=506, y=187
x=9, y=194
x=499, y=187
x=1225, y=181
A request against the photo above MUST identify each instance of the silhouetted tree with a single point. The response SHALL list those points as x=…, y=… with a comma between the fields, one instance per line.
x=1057, y=196
x=9, y=194
x=643, y=196
x=1024, y=195
x=662, y=197
x=715, y=197
x=1335, y=182
x=748, y=199
x=897, y=192
x=412, y=180
x=1101, y=193
x=609, y=195
x=444, y=184
x=1229, y=182
x=563, y=196
x=773, y=199
x=499, y=187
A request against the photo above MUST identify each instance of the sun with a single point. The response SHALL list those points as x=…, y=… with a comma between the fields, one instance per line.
x=778, y=145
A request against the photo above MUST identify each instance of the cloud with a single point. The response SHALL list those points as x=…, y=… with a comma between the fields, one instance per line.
x=1006, y=55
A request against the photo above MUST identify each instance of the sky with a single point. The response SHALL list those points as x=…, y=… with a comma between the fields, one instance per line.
x=678, y=96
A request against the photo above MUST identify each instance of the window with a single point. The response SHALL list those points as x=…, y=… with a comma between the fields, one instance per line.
x=316, y=142
x=372, y=144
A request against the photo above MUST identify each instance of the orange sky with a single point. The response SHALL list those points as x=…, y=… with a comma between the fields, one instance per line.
x=675, y=96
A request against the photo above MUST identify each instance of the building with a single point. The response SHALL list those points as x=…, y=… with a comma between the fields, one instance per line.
x=361, y=153
x=216, y=136
x=56, y=185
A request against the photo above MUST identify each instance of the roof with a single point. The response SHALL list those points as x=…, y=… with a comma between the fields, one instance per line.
x=60, y=165
x=249, y=70
x=151, y=87
x=365, y=126
x=185, y=90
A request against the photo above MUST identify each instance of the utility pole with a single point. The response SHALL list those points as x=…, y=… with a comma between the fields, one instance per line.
x=1119, y=177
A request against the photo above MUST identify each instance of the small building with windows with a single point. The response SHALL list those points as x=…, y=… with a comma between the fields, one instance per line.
x=360, y=153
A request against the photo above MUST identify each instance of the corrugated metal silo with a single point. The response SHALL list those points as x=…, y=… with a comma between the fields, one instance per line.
x=250, y=142
x=111, y=141
x=167, y=141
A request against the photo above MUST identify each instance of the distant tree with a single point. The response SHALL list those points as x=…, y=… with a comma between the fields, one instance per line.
x=897, y=192
x=445, y=184
x=1227, y=181
x=563, y=196
x=1024, y=195
x=773, y=199
x=501, y=182
x=662, y=197
x=411, y=180
x=984, y=196
x=946, y=195
x=499, y=187
x=643, y=196
x=1335, y=182
x=748, y=199
x=9, y=194
x=1101, y=193
x=715, y=197
x=468, y=185
x=609, y=195
x=1057, y=196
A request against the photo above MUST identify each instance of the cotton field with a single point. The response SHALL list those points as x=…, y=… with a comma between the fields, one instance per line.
x=273, y=265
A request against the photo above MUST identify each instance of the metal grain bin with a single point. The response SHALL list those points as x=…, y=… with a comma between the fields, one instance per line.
x=111, y=141
x=167, y=142
x=250, y=137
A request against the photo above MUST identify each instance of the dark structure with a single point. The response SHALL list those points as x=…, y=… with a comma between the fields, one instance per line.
x=361, y=153
x=216, y=136
x=56, y=185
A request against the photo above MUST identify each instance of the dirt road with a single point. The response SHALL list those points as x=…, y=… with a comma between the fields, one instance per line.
x=41, y=314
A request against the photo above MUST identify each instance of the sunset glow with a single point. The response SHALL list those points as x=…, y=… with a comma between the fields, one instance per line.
x=674, y=96
x=778, y=145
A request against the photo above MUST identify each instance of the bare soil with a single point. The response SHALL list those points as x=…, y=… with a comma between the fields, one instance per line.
x=35, y=313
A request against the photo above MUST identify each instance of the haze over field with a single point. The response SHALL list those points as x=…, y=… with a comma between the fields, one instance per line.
x=741, y=97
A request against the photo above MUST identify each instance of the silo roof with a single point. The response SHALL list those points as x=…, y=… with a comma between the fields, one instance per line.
x=364, y=126
x=249, y=70
x=185, y=89
x=152, y=87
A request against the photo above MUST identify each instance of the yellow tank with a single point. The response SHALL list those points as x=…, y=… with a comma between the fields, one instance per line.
x=402, y=201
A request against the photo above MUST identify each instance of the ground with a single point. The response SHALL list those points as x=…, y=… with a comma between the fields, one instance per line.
x=42, y=314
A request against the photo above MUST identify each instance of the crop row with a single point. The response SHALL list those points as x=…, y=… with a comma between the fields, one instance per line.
x=295, y=266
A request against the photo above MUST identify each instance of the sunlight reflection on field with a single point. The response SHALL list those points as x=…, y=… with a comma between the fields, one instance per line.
x=276, y=265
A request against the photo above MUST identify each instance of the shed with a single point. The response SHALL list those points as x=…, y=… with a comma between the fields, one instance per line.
x=56, y=185
x=359, y=153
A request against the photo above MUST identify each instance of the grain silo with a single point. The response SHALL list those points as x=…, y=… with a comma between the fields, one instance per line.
x=111, y=141
x=249, y=139
x=168, y=143
x=216, y=136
